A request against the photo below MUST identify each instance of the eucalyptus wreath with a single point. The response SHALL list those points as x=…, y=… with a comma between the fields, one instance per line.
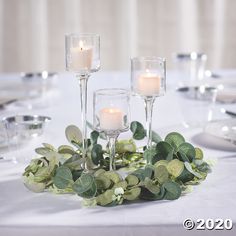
x=175, y=165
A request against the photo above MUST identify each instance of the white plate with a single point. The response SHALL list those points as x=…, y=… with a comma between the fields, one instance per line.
x=224, y=129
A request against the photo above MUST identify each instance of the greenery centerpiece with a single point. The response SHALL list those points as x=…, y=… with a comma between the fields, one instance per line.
x=175, y=165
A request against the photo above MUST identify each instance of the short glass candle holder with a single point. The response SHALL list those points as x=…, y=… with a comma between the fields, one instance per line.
x=111, y=116
x=148, y=80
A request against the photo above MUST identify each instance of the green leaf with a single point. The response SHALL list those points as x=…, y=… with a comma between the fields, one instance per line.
x=149, y=171
x=161, y=174
x=173, y=190
x=139, y=173
x=66, y=149
x=175, y=140
x=175, y=167
x=113, y=176
x=149, y=154
x=185, y=176
x=124, y=146
x=94, y=137
x=96, y=153
x=132, y=194
x=74, y=162
x=189, y=168
x=83, y=184
x=105, y=198
x=155, y=137
x=103, y=182
x=161, y=163
x=63, y=177
x=151, y=186
x=132, y=180
x=49, y=146
x=182, y=157
x=42, y=150
x=164, y=151
x=32, y=185
x=73, y=134
x=99, y=172
x=137, y=130
x=42, y=174
x=101, y=134
x=199, y=153
x=188, y=150
x=122, y=184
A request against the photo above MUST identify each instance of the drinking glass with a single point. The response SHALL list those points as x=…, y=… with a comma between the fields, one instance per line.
x=190, y=67
x=148, y=80
x=111, y=116
x=83, y=58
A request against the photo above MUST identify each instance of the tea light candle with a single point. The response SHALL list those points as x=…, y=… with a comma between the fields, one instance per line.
x=111, y=119
x=149, y=84
x=81, y=57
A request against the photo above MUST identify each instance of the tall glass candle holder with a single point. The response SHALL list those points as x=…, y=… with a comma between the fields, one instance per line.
x=83, y=58
x=148, y=80
x=111, y=116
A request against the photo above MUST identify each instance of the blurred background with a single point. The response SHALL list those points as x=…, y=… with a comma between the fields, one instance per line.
x=32, y=32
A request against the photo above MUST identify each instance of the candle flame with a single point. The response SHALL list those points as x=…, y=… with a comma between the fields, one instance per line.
x=81, y=45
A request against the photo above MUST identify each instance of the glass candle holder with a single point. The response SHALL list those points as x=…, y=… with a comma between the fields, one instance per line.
x=83, y=58
x=111, y=116
x=148, y=80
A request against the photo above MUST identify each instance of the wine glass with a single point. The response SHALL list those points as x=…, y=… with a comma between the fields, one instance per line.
x=148, y=80
x=83, y=58
x=111, y=116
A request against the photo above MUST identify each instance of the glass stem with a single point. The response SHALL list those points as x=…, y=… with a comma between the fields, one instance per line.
x=148, y=112
x=83, y=79
x=112, y=150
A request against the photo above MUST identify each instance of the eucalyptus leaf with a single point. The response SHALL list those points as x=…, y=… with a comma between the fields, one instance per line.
x=74, y=162
x=148, y=171
x=83, y=184
x=132, y=180
x=103, y=182
x=101, y=134
x=49, y=146
x=190, y=169
x=94, y=137
x=164, y=151
x=138, y=130
x=173, y=190
x=97, y=153
x=73, y=134
x=42, y=174
x=113, y=176
x=151, y=186
x=199, y=153
x=122, y=184
x=105, y=198
x=174, y=139
x=175, y=167
x=124, y=146
x=140, y=174
x=188, y=150
x=66, y=149
x=32, y=185
x=132, y=194
x=182, y=156
x=161, y=174
x=156, y=137
x=149, y=154
x=161, y=163
x=63, y=177
x=42, y=150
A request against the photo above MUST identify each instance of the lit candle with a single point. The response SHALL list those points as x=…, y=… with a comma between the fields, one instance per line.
x=149, y=84
x=81, y=57
x=111, y=119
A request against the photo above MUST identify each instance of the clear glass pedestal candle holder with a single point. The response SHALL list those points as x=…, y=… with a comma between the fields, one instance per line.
x=83, y=58
x=111, y=116
x=148, y=80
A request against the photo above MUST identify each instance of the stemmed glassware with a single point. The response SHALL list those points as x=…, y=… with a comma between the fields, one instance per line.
x=148, y=80
x=83, y=58
x=111, y=115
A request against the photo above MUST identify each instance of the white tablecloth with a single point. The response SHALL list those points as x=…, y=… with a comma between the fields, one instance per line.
x=25, y=213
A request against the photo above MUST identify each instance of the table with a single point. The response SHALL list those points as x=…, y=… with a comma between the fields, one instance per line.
x=25, y=213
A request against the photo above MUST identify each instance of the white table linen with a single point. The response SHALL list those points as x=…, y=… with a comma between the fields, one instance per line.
x=25, y=213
